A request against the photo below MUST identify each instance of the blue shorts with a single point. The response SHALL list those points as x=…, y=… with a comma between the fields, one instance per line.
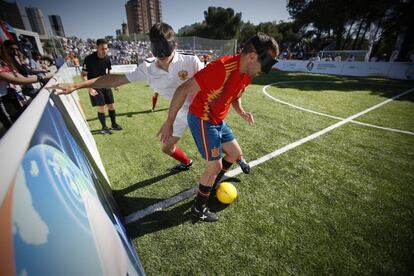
x=209, y=137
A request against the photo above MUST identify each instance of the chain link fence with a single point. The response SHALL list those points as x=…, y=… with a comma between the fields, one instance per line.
x=203, y=46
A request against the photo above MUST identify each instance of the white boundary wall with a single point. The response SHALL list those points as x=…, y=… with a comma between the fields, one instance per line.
x=116, y=69
x=73, y=107
x=392, y=70
x=15, y=142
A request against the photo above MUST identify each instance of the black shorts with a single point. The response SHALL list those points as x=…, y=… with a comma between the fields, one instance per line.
x=104, y=96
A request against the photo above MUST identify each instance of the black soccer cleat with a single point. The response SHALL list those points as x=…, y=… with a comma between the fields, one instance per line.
x=217, y=183
x=106, y=130
x=204, y=214
x=182, y=167
x=245, y=167
x=116, y=127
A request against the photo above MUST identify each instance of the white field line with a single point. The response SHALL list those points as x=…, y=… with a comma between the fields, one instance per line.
x=327, y=115
x=187, y=193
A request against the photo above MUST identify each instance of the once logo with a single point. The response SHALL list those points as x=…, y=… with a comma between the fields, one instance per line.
x=310, y=66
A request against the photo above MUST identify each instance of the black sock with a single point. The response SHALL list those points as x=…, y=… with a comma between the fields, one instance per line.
x=226, y=166
x=202, y=196
x=101, y=117
x=112, y=116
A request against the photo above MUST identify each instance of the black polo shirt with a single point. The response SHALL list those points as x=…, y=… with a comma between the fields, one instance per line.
x=96, y=66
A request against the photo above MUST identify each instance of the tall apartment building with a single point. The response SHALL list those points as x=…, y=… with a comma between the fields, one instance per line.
x=142, y=14
x=14, y=14
x=56, y=25
x=37, y=21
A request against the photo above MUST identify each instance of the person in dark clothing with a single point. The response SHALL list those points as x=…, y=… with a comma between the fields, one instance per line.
x=17, y=58
x=95, y=65
x=12, y=101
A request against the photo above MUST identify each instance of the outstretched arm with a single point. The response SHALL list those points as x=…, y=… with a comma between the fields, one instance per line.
x=19, y=79
x=99, y=82
x=190, y=87
x=247, y=116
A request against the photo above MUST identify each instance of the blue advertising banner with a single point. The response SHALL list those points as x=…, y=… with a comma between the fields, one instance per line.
x=58, y=216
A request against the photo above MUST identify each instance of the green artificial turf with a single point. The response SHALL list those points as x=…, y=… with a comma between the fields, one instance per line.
x=341, y=204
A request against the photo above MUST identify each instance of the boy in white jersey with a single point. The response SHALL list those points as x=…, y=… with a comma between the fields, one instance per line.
x=164, y=73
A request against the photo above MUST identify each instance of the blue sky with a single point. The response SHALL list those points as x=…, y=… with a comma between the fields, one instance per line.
x=97, y=18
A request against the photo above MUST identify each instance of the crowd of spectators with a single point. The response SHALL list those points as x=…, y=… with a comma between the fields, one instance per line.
x=302, y=51
x=22, y=74
x=120, y=52
x=337, y=57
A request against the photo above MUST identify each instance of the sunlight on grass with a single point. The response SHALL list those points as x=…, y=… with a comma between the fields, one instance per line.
x=340, y=204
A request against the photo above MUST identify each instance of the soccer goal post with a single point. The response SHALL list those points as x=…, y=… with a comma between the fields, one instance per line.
x=203, y=46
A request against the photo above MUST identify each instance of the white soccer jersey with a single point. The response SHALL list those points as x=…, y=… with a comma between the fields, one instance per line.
x=181, y=68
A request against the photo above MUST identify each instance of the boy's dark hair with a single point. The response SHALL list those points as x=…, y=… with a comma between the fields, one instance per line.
x=4, y=56
x=265, y=42
x=101, y=41
x=36, y=54
x=161, y=31
x=8, y=43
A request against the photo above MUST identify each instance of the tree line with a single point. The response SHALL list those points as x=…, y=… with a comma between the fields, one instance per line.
x=380, y=26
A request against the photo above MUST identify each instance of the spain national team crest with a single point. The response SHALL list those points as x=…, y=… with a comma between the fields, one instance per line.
x=183, y=75
x=215, y=152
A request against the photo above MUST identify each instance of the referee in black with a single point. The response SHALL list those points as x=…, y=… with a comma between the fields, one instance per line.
x=96, y=65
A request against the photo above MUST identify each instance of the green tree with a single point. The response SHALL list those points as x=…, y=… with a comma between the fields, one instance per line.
x=53, y=47
x=247, y=30
x=284, y=33
x=328, y=17
x=271, y=29
x=221, y=23
x=396, y=30
x=289, y=30
x=190, y=30
x=347, y=23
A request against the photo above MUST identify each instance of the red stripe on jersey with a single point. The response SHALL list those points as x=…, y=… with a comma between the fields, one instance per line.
x=203, y=142
x=206, y=137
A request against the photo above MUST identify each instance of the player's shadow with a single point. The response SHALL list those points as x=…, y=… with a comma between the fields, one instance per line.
x=170, y=218
x=166, y=219
x=161, y=220
x=128, y=205
x=215, y=205
x=141, y=184
x=96, y=131
x=130, y=114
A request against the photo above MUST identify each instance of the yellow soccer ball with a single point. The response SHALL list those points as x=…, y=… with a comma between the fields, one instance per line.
x=226, y=193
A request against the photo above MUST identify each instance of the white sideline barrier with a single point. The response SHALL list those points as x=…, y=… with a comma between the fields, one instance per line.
x=72, y=105
x=54, y=194
x=123, y=68
x=116, y=69
x=22, y=129
x=392, y=70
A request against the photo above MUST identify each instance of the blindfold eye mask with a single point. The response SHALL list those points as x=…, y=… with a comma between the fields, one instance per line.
x=266, y=60
x=162, y=48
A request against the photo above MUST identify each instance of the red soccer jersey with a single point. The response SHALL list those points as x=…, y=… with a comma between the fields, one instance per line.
x=220, y=84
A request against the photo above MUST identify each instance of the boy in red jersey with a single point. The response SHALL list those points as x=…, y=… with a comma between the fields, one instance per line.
x=215, y=88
